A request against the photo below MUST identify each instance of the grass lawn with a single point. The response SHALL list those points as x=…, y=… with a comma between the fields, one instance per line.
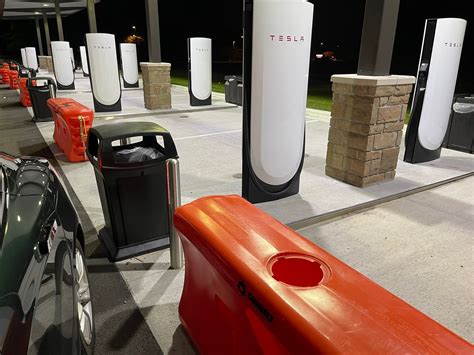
x=317, y=98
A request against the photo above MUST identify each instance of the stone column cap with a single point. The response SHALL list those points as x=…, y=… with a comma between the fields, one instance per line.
x=367, y=80
x=149, y=64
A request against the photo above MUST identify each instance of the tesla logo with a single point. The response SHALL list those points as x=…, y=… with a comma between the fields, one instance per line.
x=102, y=47
x=453, y=44
x=286, y=38
x=201, y=49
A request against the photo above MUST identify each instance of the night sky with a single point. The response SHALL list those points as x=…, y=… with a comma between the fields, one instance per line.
x=337, y=24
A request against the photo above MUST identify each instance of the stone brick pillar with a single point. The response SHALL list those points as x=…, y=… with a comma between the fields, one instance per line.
x=49, y=64
x=156, y=85
x=42, y=62
x=366, y=127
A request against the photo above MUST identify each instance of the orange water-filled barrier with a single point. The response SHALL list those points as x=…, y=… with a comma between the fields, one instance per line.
x=254, y=286
x=72, y=122
x=24, y=93
x=5, y=71
x=13, y=79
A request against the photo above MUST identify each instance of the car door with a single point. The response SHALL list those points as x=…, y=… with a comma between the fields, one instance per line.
x=52, y=330
x=53, y=323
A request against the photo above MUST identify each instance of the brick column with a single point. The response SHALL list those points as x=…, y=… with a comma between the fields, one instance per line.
x=156, y=85
x=43, y=62
x=49, y=64
x=366, y=127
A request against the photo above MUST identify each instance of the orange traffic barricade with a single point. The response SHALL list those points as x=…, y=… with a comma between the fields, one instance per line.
x=13, y=79
x=6, y=73
x=72, y=122
x=24, y=93
x=254, y=286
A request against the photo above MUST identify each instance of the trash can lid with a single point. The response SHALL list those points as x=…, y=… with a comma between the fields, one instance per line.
x=119, y=130
x=100, y=149
x=236, y=77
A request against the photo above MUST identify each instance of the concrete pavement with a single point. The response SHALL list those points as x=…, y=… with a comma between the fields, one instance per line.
x=420, y=248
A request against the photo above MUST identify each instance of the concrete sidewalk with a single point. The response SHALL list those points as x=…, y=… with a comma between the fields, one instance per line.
x=132, y=100
x=209, y=144
x=420, y=248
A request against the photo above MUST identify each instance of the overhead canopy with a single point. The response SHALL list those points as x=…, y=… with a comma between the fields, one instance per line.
x=29, y=9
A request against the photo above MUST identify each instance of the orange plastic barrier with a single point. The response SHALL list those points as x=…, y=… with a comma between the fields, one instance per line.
x=72, y=122
x=254, y=286
x=5, y=73
x=13, y=79
x=24, y=93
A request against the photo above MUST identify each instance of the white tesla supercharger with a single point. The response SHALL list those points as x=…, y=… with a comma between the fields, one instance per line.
x=31, y=58
x=23, y=57
x=73, y=60
x=62, y=65
x=277, y=44
x=104, y=73
x=200, y=71
x=85, y=66
x=434, y=90
x=128, y=53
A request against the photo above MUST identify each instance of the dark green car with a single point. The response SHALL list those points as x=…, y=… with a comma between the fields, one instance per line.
x=45, y=303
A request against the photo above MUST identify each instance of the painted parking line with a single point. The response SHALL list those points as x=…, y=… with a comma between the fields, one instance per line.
x=221, y=133
x=208, y=135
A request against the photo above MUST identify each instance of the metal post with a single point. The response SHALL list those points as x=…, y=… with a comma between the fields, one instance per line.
x=125, y=141
x=91, y=16
x=59, y=20
x=378, y=35
x=46, y=32
x=52, y=91
x=153, y=31
x=174, y=185
x=38, y=34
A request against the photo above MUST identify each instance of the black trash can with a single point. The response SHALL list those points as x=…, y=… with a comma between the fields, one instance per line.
x=131, y=164
x=233, y=88
x=460, y=133
x=39, y=95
